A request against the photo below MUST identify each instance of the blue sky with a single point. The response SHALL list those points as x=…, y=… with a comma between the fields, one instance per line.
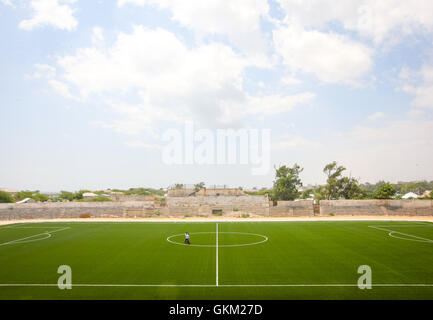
x=88, y=88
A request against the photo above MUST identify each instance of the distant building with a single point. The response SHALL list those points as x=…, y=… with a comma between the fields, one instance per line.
x=426, y=193
x=410, y=195
x=11, y=191
x=89, y=195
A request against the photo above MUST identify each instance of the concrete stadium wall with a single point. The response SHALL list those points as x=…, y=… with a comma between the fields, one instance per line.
x=13, y=211
x=131, y=197
x=291, y=209
x=377, y=207
x=205, y=192
x=205, y=204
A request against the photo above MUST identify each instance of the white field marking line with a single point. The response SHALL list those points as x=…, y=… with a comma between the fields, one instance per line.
x=391, y=234
x=217, y=254
x=162, y=221
x=417, y=224
x=213, y=285
x=35, y=235
x=47, y=235
x=224, y=245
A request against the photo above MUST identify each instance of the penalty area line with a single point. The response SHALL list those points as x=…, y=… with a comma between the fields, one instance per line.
x=25, y=239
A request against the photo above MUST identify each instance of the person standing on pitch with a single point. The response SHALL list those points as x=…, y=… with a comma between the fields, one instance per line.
x=187, y=238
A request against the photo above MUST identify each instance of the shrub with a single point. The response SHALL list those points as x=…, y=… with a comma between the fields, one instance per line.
x=245, y=215
x=235, y=209
x=331, y=214
x=187, y=216
x=85, y=215
x=6, y=197
x=217, y=212
x=157, y=213
x=385, y=191
x=100, y=199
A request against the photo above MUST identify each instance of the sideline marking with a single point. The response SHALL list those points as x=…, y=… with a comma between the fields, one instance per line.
x=25, y=239
x=392, y=233
x=213, y=285
x=217, y=254
x=265, y=238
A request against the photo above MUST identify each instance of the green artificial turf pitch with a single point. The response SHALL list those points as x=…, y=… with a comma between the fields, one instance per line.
x=243, y=260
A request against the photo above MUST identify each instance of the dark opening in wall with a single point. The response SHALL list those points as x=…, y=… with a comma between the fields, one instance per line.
x=217, y=212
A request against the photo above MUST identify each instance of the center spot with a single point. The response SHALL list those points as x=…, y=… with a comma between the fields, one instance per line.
x=225, y=239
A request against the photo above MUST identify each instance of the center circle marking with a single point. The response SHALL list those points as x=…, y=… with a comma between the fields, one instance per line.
x=265, y=238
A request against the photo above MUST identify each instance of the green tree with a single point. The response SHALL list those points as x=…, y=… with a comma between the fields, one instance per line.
x=79, y=194
x=306, y=194
x=35, y=195
x=350, y=189
x=25, y=194
x=66, y=195
x=333, y=184
x=6, y=197
x=385, y=191
x=40, y=197
x=287, y=182
x=320, y=193
x=199, y=186
x=337, y=186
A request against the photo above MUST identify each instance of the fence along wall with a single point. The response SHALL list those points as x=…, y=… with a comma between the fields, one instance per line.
x=376, y=207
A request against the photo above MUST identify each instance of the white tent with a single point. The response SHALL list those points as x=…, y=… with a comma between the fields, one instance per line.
x=26, y=200
x=410, y=195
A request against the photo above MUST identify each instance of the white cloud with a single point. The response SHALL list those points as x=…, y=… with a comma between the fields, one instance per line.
x=419, y=84
x=142, y=144
x=376, y=20
x=376, y=116
x=396, y=132
x=275, y=104
x=292, y=141
x=60, y=88
x=172, y=82
x=415, y=113
x=97, y=37
x=330, y=57
x=375, y=153
x=43, y=71
x=239, y=20
x=290, y=80
x=55, y=13
x=7, y=3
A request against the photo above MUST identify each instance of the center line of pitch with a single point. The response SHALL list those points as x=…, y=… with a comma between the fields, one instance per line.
x=216, y=254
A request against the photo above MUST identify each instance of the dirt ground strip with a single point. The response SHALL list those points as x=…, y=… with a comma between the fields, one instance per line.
x=227, y=219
